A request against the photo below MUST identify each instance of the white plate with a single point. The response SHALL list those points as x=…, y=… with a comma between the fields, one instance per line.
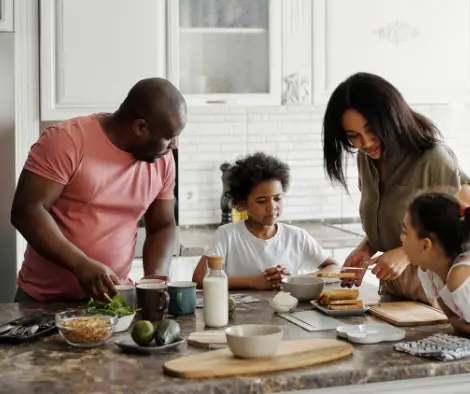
x=343, y=313
x=128, y=345
x=370, y=333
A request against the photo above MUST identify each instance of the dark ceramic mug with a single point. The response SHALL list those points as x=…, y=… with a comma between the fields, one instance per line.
x=182, y=298
x=153, y=299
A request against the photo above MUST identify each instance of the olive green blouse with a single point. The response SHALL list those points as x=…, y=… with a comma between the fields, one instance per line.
x=383, y=205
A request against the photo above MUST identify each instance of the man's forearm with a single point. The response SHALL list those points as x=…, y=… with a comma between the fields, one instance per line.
x=158, y=251
x=41, y=231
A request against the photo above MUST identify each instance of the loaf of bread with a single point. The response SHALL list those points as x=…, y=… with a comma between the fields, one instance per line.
x=327, y=297
x=339, y=275
x=357, y=304
x=343, y=302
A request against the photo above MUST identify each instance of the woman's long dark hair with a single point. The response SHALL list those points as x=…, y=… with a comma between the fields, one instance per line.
x=438, y=216
x=388, y=115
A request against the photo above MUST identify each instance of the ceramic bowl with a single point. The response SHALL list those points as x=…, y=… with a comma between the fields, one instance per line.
x=304, y=288
x=253, y=340
x=283, y=308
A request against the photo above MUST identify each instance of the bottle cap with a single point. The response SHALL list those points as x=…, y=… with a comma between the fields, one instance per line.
x=215, y=262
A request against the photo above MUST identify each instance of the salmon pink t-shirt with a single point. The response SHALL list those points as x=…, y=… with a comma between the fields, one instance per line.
x=106, y=193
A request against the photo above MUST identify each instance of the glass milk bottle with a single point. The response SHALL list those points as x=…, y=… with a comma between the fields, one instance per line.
x=215, y=285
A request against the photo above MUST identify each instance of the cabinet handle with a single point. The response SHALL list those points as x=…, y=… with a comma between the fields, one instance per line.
x=222, y=102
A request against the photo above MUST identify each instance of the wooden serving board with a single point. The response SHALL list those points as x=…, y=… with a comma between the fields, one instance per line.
x=408, y=313
x=210, y=339
x=290, y=355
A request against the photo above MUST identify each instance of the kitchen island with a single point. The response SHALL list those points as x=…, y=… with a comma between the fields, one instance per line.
x=51, y=366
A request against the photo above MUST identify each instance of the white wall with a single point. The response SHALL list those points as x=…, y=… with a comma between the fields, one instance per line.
x=7, y=168
x=217, y=134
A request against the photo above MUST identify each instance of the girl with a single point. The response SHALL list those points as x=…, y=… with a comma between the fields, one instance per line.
x=399, y=151
x=259, y=250
x=435, y=237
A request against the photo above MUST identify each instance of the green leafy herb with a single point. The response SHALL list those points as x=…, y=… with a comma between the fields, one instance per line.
x=115, y=306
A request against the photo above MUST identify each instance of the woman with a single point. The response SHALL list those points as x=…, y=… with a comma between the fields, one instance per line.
x=399, y=152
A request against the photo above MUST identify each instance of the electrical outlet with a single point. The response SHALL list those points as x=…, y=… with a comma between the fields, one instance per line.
x=189, y=195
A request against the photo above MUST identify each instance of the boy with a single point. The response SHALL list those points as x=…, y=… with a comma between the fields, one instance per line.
x=259, y=251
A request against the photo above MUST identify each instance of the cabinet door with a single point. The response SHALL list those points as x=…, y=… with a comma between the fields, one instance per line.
x=6, y=15
x=421, y=46
x=225, y=51
x=93, y=52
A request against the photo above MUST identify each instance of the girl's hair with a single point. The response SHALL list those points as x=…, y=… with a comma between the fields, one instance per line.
x=438, y=216
x=388, y=116
x=250, y=171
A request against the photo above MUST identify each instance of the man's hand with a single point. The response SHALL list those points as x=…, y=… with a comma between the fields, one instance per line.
x=391, y=264
x=161, y=277
x=97, y=279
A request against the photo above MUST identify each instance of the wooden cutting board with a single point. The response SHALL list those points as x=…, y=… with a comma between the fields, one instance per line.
x=408, y=313
x=210, y=339
x=291, y=355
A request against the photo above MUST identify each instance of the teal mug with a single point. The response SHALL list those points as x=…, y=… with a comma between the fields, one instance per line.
x=182, y=298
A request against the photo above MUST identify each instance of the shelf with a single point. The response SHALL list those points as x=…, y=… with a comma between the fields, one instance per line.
x=222, y=30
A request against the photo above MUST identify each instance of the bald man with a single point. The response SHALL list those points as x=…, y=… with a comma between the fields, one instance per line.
x=85, y=185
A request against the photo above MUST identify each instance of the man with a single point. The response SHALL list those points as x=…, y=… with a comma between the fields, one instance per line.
x=84, y=187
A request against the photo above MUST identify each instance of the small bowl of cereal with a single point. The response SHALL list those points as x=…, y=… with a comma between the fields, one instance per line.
x=82, y=329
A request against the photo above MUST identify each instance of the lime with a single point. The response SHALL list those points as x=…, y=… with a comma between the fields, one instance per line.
x=143, y=332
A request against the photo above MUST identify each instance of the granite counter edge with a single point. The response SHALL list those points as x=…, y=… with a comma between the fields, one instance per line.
x=304, y=380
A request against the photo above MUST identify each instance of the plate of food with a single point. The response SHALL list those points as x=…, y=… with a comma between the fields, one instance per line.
x=340, y=303
x=146, y=338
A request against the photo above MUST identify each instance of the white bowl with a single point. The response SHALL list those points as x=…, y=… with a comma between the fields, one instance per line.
x=284, y=308
x=304, y=288
x=123, y=323
x=253, y=340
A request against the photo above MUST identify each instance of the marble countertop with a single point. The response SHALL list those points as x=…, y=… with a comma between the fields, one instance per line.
x=194, y=239
x=51, y=366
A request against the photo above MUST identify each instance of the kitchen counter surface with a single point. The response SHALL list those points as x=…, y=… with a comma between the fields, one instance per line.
x=51, y=366
x=194, y=239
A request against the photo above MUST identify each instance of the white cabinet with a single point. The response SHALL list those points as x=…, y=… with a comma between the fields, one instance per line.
x=6, y=15
x=421, y=46
x=93, y=52
x=248, y=52
x=226, y=51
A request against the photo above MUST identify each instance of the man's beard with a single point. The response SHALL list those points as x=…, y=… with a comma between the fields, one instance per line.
x=151, y=159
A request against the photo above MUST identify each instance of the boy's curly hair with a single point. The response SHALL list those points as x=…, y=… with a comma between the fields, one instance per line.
x=250, y=171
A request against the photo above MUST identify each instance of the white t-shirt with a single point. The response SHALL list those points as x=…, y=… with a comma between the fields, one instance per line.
x=247, y=255
x=457, y=301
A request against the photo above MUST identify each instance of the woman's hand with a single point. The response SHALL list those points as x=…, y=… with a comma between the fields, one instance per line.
x=357, y=258
x=390, y=265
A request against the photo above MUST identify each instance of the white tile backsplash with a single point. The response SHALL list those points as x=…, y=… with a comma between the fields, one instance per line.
x=293, y=133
